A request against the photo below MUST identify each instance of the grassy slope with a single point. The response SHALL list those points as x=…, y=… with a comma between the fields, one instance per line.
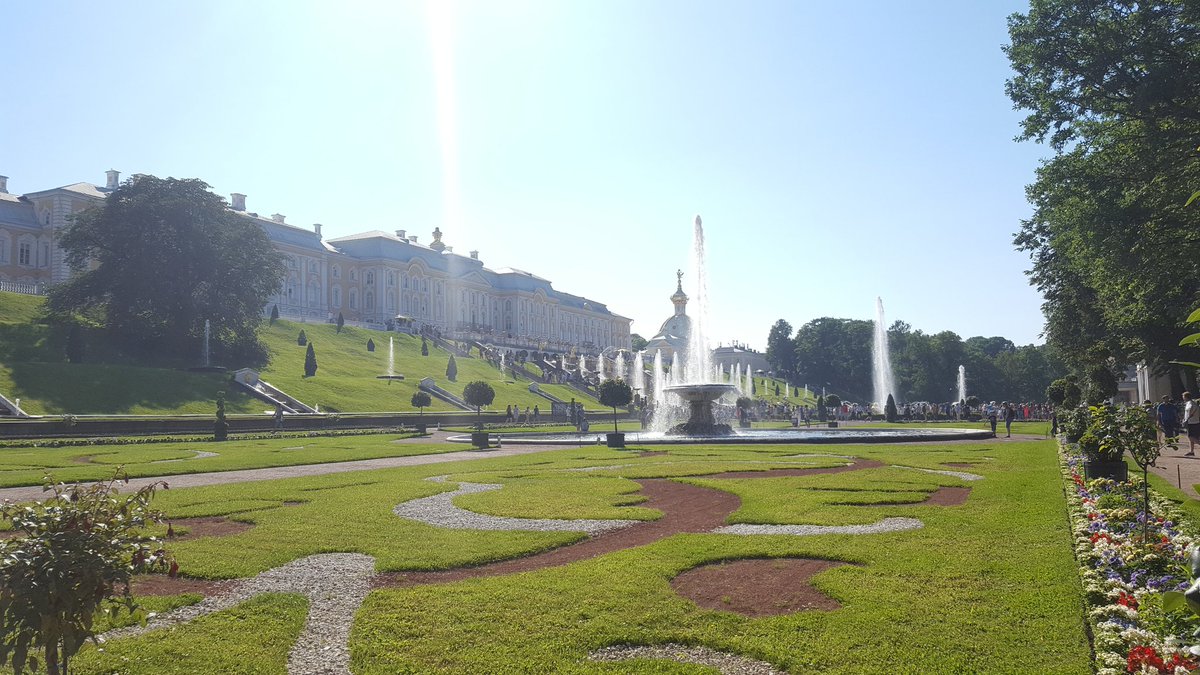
x=33, y=369
x=989, y=586
x=346, y=374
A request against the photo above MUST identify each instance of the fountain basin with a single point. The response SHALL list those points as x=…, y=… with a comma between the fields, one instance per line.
x=700, y=397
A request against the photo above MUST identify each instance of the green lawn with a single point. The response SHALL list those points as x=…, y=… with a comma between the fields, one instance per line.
x=33, y=368
x=27, y=466
x=989, y=586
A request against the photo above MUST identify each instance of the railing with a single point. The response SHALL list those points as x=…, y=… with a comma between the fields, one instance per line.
x=26, y=289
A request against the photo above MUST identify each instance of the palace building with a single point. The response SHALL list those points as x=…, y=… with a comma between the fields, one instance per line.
x=374, y=278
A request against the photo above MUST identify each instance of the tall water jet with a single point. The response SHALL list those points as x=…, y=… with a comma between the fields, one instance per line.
x=699, y=357
x=882, y=361
x=639, y=375
x=391, y=364
x=659, y=383
x=737, y=378
x=502, y=364
x=207, y=351
x=962, y=384
x=749, y=391
x=620, y=374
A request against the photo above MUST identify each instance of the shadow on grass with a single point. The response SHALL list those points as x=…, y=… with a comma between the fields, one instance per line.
x=86, y=388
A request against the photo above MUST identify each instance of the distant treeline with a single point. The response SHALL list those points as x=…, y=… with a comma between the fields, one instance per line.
x=836, y=354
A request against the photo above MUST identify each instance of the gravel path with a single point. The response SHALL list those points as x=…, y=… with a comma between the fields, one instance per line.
x=726, y=663
x=35, y=492
x=200, y=454
x=879, y=527
x=440, y=511
x=335, y=584
x=943, y=472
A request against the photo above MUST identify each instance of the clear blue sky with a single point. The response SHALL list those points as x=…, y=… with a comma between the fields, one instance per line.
x=836, y=151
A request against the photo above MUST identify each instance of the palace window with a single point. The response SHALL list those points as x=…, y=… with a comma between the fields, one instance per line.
x=353, y=298
x=370, y=278
x=337, y=272
x=3, y=248
x=45, y=259
x=391, y=279
x=337, y=296
x=369, y=301
x=353, y=275
x=24, y=251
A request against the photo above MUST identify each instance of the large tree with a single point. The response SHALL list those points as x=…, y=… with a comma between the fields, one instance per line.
x=1114, y=87
x=781, y=349
x=161, y=256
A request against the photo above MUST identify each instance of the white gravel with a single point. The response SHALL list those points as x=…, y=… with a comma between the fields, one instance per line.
x=885, y=525
x=200, y=454
x=335, y=584
x=726, y=663
x=440, y=511
x=945, y=472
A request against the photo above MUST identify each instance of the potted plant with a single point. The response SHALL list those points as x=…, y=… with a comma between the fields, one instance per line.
x=420, y=401
x=743, y=406
x=1102, y=445
x=479, y=394
x=833, y=402
x=614, y=393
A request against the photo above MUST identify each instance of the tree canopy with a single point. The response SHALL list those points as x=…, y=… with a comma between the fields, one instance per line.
x=1114, y=87
x=781, y=352
x=161, y=256
x=836, y=354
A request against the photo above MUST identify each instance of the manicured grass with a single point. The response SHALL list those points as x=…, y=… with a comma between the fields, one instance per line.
x=27, y=466
x=20, y=308
x=252, y=638
x=988, y=586
x=146, y=605
x=33, y=369
x=346, y=375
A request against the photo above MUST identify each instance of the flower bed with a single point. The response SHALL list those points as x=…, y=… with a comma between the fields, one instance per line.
x=1124, y=573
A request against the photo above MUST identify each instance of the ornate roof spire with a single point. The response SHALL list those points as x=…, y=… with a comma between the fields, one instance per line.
x=679, y=298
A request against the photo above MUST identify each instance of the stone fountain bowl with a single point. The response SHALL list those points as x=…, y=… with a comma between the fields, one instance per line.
x=708, y=391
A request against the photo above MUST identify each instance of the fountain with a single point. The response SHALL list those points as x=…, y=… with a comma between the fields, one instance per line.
x=962, y=384
x=639, y=375
x=206, y=355
x=684, y=392
x=881, y=359
x=692, y=383
x=620, y=374
x=391, y=371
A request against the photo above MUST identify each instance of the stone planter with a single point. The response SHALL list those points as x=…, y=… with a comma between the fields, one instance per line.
x=480, y=439
x=616, y=439
x=1117, y=470
x=421, y=428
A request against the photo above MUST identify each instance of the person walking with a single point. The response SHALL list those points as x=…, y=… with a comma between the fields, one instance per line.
x=1191, y=417
x=991, y=416
x=1010, y=414
x=277, y=418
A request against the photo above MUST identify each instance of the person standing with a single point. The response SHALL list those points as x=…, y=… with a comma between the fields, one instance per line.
x=278, y=418
x=1167, y=417
x=1010, y=414
x=990, y=413
x=1191, y=417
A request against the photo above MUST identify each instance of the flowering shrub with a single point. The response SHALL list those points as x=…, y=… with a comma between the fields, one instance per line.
x=1125, y=571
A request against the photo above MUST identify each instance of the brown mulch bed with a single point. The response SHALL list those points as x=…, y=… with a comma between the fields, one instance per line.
x=757, y=587
x=214, y=526
x=685, y=508
x=948, y=496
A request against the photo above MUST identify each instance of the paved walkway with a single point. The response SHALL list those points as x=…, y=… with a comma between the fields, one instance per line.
x=1182, y=472
x=32, y=492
